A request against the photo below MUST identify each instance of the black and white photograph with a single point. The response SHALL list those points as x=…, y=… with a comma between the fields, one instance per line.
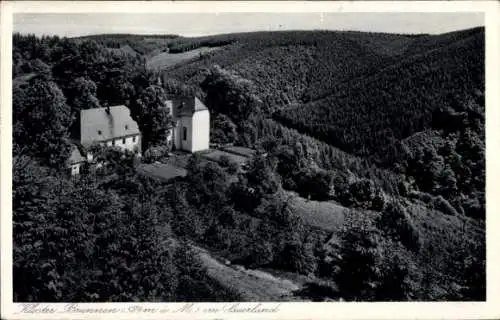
x=234, y=157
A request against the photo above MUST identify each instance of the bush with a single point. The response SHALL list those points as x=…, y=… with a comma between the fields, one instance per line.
x=223, y=130
x=444, y=206
x=296, y=256
x=359, y=257
x=319, y=290
x=474, y=206
x=423, y=196
x=224, y=161
x=233, y=167
x=341, y=186
x=315, y=184
x=261, y=254
x=361, y=193
x=155, y=153
x=370, y=267
x=396, y=222
x=379, y=201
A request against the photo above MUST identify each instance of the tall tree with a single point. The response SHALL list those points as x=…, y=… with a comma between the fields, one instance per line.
x=46, y=119
x=230, y=94
x=81, y=94
x=152, y=115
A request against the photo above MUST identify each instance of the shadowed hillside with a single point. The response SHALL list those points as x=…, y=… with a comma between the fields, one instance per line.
x=362, y=177
x=366, y=113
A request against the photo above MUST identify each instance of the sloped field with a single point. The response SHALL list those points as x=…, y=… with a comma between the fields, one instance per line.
x=166, y=60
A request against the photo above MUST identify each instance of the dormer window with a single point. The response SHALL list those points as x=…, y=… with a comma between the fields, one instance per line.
x=99, y=132
x=126, y=127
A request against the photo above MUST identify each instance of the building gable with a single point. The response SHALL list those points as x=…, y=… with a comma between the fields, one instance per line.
x=185, y=106
x=102, y=124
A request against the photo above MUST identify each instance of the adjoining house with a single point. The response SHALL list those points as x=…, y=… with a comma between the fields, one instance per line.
x=191, y=131
x=75, y=161
x=108, y=126
x=113, y=126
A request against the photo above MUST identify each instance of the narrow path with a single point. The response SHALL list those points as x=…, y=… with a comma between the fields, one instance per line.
x=253, y=285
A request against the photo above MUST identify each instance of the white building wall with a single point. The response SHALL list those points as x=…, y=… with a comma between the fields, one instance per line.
x=75, y=169
x=128, y=143
x=175, y=136
x=169, y=104
x=131, y=143
x=200, y=131
x=185, y=144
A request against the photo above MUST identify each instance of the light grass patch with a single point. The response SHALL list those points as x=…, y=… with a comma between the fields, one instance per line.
x=167, y=60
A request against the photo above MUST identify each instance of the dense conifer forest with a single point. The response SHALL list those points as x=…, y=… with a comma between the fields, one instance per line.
x=387, y=127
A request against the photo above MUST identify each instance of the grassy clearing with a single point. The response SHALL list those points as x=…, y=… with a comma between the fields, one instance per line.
x=215, y=155
x=164, y=172
x=166, y=60
x=253, y=285
x=242, y=151
x=321, y=214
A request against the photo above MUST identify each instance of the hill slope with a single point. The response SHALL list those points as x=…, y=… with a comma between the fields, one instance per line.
x=292, y=66
x=397, y=101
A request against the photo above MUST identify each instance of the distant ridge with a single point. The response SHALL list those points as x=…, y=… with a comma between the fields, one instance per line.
x=239, y=34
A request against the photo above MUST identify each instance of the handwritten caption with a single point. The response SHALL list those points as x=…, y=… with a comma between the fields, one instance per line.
x=75, y=308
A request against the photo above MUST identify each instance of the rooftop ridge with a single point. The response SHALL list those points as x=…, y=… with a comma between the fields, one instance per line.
x=99, y=125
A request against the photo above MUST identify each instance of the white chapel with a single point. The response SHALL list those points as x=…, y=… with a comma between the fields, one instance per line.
x=191, y=130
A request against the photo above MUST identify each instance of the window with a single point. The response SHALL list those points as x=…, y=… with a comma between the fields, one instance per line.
x=113, y=142
x=123, y=141
x=184, y=133
x=99, y=132
x=126, y=127
x=133, y=139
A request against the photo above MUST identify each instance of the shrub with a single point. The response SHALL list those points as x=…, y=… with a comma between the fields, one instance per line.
x=154, y=153
x=261, y=253
x=359, y=257
x=224, y=161
x=296, y=256
x=233, y=167
x=341, y=186
x=379, y=201
x=396, y=222
x=474, y=206
x=315, y=184
x=444, y=206
x=319, y=290
x=362, y=192
x=370, y=267
x=422, y=196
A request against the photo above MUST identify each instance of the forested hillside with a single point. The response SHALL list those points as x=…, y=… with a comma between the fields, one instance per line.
x=291, y=67
x=366, y=113
x=367, y=184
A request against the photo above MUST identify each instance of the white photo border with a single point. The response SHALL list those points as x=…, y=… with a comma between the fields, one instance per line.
x=300, y=310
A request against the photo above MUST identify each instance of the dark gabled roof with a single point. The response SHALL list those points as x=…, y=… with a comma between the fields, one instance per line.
x=186, y=106
x=98, y=125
